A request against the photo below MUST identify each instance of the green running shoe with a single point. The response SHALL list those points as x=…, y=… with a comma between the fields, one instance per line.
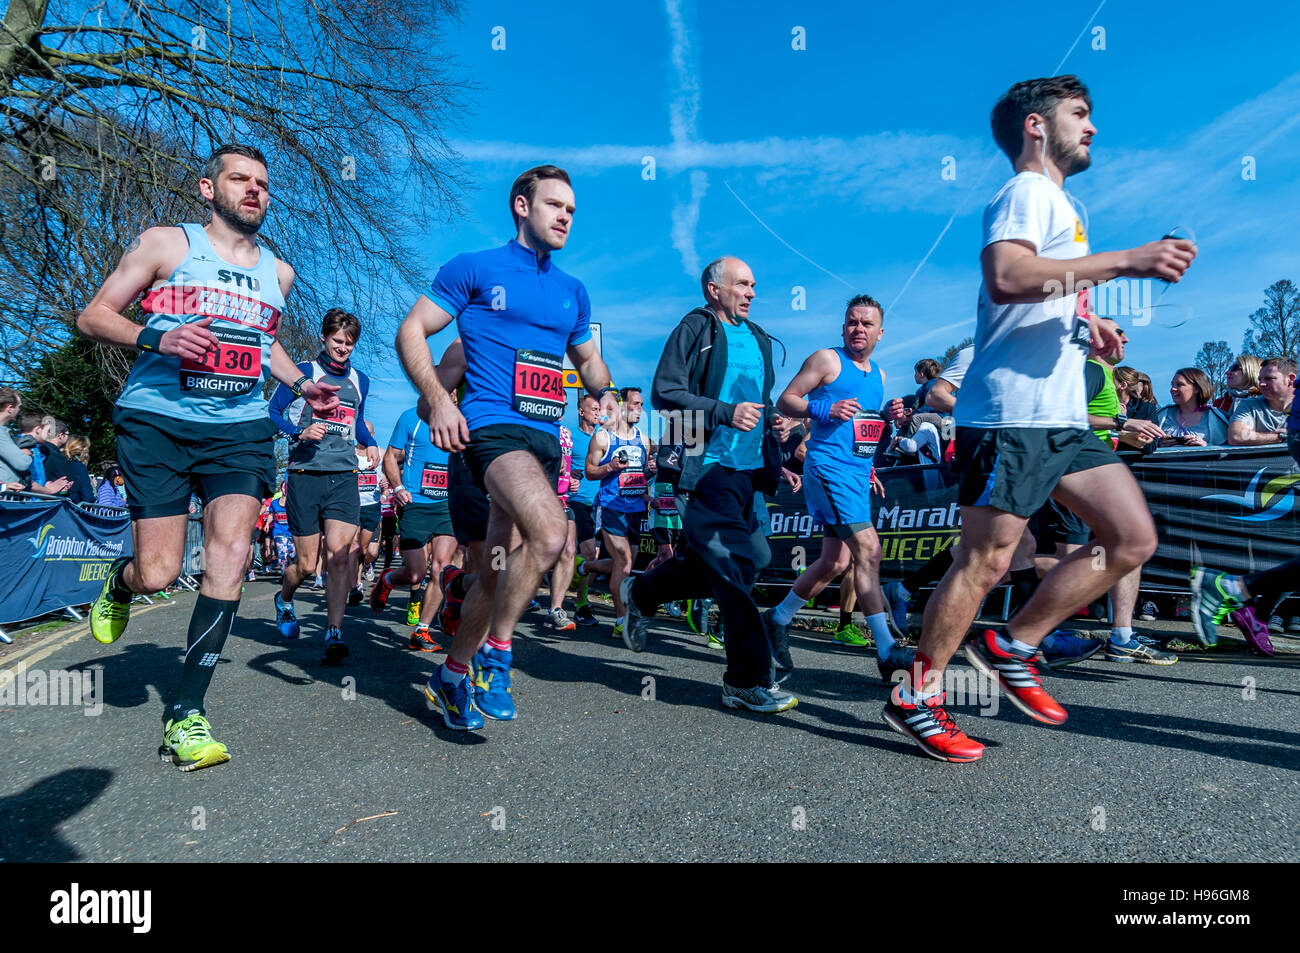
x=1211, y=603
x=108, y=618
x=716, y=641
x=413, y=613
x=850, y=635
x=188, y=744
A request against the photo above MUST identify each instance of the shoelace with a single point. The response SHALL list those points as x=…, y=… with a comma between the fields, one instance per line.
x=195, y=731
x=944, y=720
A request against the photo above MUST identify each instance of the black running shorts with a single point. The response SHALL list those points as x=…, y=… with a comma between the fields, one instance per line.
x=165, y=459
x=313, y=498
x=584, y=520
x=469, y=504
x=488, y=443
x=370, y=518
x=418, y=523
x=1015, y=469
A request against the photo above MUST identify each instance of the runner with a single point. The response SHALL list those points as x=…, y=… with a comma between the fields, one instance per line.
x=841, y=389
x=191, y=418
x=369, y=487
x=562, y=572
x=582, y=501
x=1250, y=599
x=418, y=472
x=619, y=458
x=716, y=374
x=281, y=538
x=517, y=314
x=387, y=526
x=322, y=496
x=1022, y=422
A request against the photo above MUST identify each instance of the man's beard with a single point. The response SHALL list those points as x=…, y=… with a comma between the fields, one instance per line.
x=1068, y=158
x=232, y=216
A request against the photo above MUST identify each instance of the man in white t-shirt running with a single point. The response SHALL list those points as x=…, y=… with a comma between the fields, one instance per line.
x=1022, y=419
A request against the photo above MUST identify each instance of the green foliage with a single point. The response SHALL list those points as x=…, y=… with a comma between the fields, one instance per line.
x=71, y=384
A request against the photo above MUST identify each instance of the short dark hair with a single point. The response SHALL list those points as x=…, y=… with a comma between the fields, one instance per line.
x=1284, y=365
x=929, y=367
x=30, y=421
x=1032, y=96
x=526, y=184
x=863, y=301
x=216, y=162
x=587, y=396
x=336, y=319
x=624, y=391
x=8, y=397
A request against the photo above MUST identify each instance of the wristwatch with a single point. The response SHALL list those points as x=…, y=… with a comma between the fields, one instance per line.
x=1120, y=421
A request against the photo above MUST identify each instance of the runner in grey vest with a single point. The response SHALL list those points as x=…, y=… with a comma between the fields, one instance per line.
x=322, y=496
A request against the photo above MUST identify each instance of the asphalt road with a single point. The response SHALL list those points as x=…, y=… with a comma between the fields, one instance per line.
x=1197, y=761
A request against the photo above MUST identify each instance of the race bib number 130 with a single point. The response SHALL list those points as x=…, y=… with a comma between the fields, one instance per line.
x=539, y=385
x=234, y=369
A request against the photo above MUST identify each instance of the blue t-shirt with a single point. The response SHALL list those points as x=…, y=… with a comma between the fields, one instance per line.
x=516, y=319
x=737, y=449
x=424, y=471
x=279, y=518
x=586, y=492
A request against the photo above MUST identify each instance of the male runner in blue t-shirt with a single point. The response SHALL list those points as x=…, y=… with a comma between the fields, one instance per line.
x=517, y=315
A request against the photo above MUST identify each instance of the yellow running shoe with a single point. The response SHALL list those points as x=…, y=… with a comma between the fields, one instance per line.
x=108, y=619
x=188, y=744
x=413, y=613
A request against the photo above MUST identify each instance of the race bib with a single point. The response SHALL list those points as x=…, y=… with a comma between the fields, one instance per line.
x=339, y=421
x=282, y=517
x=666, y=503
x=539, y=386
x=631, y=483
x=433, y=481
x=367, y=480
x=867, y=428
x=234, y=369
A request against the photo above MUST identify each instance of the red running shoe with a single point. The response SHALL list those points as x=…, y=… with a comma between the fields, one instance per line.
x=449, y=613
x=1018, y=677
x=930, y=726
x=380, y=593
x=421, y=641
x=1256, y=632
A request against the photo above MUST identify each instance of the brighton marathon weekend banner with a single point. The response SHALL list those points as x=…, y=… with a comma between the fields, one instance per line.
x=1230, y=508
x=55, y=554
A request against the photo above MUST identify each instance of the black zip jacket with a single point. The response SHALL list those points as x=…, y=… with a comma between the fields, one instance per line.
x=688, y=381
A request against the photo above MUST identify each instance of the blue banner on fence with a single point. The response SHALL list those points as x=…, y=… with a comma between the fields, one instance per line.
x=55, y=554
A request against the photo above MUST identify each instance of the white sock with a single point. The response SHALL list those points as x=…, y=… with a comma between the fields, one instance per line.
x=880, y=632
x=1122, y=636
x=785, y=612
x=1024, y=648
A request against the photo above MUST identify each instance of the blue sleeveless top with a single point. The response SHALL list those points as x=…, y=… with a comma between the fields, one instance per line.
x=226, y=387
x=845, y=443
x=624, y=492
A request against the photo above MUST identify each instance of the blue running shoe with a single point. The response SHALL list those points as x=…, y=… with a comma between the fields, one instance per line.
x=1068, y=648
x=492, y=684
x=456, y=704
x=285, y=619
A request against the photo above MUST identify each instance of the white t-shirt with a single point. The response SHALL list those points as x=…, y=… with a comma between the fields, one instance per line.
x=955, y=372
x=1027, y=372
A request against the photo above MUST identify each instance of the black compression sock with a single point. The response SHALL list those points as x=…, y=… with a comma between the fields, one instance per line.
x=209, y=626
x=118, y=591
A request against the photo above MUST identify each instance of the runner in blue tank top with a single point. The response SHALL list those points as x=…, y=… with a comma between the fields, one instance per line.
x=619, y=457
x=841, y=389
x=191, y=418
x=517, y=315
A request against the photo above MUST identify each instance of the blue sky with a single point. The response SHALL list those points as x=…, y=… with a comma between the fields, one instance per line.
x=822, y=167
